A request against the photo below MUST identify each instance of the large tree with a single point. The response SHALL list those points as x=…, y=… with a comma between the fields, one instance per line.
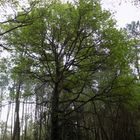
x=76, y=56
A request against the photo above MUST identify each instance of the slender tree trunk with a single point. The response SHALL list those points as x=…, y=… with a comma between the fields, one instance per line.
x=22, y=122
x=25, y=117
x=12, y=120
x=40, y=124
x=5, y=130
x=16, y=132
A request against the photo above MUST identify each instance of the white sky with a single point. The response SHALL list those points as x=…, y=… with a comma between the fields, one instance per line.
x=124, y=13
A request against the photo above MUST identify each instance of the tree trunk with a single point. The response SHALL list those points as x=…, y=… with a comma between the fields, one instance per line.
x=16, y=132
x=54, y=115
x=55, y=98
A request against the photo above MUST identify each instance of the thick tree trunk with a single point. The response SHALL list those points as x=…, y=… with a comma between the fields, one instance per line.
x=54, y=115
x=55, y=100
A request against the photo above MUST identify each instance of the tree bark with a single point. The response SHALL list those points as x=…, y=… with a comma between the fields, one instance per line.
x=16, y=132
x=54, y=115
x=55, y=100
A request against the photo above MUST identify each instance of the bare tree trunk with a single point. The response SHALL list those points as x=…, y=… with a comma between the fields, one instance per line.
x=12, y=120
x=22, y=121
x=16, y=132
x=40, y=122
x=5, y=131
x=25, y=121
x=36, y=120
